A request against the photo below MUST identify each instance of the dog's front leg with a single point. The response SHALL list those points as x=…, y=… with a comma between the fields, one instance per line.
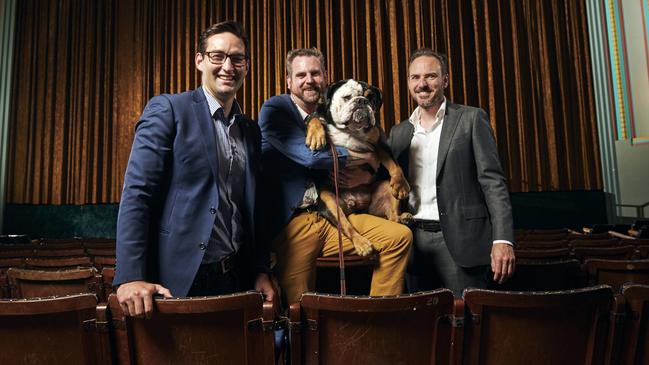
x=316, y=136
x=361, y=244
x=398, y=184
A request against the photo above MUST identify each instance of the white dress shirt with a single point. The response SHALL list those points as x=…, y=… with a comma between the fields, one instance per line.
x=424, y=146
x=422, y=174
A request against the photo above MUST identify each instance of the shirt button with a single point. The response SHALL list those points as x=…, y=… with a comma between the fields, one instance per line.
x=202, y=245
x=212, y=210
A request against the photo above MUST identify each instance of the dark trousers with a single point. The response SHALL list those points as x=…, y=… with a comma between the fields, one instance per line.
x=210, y=280
x=431, y=266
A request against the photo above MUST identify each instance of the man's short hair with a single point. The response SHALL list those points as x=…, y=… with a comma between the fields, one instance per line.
x=421, y=52
x=228, y=26
x=303, y=52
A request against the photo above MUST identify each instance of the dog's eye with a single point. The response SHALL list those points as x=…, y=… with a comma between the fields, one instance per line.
x=347, y=98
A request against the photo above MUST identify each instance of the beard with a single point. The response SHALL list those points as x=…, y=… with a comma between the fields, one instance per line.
x=434, y=98
x=312, y=94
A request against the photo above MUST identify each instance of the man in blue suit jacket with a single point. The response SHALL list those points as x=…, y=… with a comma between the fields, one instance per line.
x=185, y=223
x=298, y=233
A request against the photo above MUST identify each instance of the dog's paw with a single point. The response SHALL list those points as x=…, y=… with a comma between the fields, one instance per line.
x=315, y=134
x=362, y=245
x=406, y=218
x=399, y=187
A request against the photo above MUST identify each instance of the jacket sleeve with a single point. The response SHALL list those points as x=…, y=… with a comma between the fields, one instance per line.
x=145, y=175
x=491, y=178
x=286, y=136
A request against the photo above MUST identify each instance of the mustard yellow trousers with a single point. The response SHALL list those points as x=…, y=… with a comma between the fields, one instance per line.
x=308, y=236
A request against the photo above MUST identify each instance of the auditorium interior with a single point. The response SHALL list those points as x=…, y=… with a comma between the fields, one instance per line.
x=562, y=82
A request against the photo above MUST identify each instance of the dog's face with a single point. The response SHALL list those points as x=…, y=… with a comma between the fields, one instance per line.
x=351, y=104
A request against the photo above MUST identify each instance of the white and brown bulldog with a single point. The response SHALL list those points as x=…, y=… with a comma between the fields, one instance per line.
x=348, y=114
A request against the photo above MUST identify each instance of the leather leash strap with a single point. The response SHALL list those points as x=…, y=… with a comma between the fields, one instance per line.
x=341, y=257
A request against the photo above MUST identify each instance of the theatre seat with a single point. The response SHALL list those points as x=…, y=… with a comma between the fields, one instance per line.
x=6, y=264
x=62, y=330
x=564, y=327
x=524, y=245
x=543, y=254
x=535, y=275
x=28, y=283
x=614, y=253
x=617, y=272
x=612, y=242
x=408, y=329
x=228, y=329
x=635, y=339
x=107, y=276
x=58, y=262
x=358, y=274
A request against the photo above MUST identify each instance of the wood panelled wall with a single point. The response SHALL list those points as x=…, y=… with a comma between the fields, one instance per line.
x=83, y=71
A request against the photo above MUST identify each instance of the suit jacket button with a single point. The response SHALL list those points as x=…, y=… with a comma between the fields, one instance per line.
x=202, y=245
x=212, y=210
x=442, y=213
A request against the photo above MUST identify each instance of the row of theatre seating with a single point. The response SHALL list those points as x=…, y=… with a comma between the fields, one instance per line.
x=585, y=326
x=330, y=329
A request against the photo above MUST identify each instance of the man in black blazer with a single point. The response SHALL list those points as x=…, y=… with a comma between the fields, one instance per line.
x=459, y=199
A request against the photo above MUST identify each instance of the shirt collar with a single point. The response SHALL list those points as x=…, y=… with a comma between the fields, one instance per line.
x=215, y=105
x=414, y=117
x=303, y=113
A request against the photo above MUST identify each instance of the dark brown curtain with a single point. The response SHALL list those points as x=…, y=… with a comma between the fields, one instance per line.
x=85, y=69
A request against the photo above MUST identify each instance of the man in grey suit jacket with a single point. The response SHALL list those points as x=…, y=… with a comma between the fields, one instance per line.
x=459, y=198
x=186, y=218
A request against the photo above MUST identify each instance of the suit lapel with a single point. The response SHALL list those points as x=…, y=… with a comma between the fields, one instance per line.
x=297, y=117
x=451, y=120
x=204, y=120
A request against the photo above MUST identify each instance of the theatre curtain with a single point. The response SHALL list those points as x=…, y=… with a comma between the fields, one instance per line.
x=83, y=71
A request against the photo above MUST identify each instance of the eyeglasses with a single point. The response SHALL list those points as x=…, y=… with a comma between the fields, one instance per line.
x=218, y=58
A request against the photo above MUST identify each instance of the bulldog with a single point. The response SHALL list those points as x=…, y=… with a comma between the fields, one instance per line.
x=347, y=117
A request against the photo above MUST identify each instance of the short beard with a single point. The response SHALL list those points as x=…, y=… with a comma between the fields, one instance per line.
x=427, y=104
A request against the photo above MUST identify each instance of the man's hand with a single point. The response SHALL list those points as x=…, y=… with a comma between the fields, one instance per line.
x=361, y=158
x=265, y=286
x=351, y=177
x=502, y=262
x=136, y=297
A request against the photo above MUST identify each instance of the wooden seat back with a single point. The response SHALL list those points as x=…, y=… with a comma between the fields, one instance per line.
x=609, y=242
x=358, y=274
x=564, y=327
x=615, y=253
x=107, y=276
x=545, y=245
x=617, y=272
x=60, y=330
x=369, y=330
x=636, y=325
x=536, y=275
x=543, y=254
x=228, y=329
x=29, y=283
x=58, y=262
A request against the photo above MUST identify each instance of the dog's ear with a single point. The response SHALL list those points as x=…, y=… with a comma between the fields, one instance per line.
x=374, y=95
x=331, y=89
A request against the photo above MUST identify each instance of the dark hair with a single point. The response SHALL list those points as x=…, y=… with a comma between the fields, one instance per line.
x=228, y=26
x=303, y=52
x=421, y=52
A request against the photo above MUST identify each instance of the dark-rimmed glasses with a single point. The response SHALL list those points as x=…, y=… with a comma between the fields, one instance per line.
x=218, y=58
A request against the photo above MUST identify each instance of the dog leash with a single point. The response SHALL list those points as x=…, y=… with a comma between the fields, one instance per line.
x=341, y=257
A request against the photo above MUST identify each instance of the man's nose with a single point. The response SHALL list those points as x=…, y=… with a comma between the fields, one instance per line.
x=227, y=64
x=309, y=79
